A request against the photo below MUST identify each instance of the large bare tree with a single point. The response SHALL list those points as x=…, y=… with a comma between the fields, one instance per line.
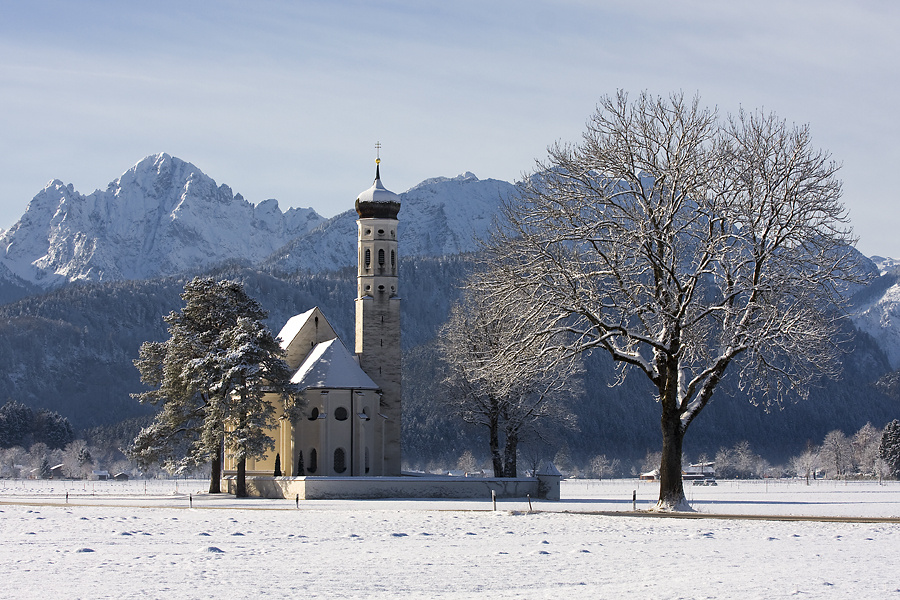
x=683, y=243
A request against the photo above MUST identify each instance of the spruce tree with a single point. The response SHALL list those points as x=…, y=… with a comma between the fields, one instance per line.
x=208, y=379
x=889, y=450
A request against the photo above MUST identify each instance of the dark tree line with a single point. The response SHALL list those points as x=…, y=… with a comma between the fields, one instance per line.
x=23, y=426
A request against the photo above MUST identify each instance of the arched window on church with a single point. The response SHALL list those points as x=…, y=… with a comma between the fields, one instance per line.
x=313, y=461
x=340, y=460
x=381, y=257
x=367, y=459
x=368, y=257
x=393, y=260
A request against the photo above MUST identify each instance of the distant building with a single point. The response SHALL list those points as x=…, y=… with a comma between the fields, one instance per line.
x=649, y=475
x=705, y=470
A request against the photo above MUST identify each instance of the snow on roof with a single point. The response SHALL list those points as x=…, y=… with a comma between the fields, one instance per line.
x=330, y=365
x=293, y=326
x=378, y=193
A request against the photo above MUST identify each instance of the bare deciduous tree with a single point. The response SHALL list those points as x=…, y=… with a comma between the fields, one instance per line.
x=865, y=444
x=497, y=380
x=808, y=463
x=836, y=453
x=681, y=244
x=600, y=466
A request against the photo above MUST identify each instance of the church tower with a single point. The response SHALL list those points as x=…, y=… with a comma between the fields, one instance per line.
x=378, y=315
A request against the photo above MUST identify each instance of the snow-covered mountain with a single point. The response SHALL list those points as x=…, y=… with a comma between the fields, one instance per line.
x=877, y=309
x=165, y=217
x=885, y=264
x=162, y=217
x=438, y=216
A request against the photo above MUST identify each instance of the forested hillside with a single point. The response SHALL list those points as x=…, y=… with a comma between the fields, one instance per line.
x=71, y=351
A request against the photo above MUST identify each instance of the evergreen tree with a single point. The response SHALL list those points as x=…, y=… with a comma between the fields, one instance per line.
x=208, y=379
x=890, y=447
x=16, y=421
x=20, y=425
x=277, y=472
x=53, y=429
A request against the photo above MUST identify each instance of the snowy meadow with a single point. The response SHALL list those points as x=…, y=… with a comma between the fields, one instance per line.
x=169, y=539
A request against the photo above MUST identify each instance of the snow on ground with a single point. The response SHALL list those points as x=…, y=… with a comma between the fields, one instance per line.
x=153, y=539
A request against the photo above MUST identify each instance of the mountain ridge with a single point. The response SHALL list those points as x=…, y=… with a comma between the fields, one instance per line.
x=161, y=217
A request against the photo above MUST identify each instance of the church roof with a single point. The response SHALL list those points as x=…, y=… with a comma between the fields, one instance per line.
x=293, y=327
x=378, y=201
x=331, y=366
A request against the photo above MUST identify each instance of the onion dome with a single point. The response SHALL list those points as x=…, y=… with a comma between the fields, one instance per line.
x=378, y=202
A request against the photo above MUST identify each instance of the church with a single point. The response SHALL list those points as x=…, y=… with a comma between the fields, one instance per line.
x=346, y=444
x=351, y=421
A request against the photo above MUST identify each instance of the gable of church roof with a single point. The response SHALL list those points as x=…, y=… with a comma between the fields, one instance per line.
x=331, y=366
x=301, y=333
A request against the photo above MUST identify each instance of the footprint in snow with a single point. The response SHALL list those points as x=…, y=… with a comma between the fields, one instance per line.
x=237, y=533
x=214, y=550
x=84, y=550
x=203, y=533
x=399, y=535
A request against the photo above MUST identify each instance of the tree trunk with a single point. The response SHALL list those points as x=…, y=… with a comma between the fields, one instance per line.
x=215, y=472
x=496, y=457
x=671, y=486
x=241, y=482
x=510, y=467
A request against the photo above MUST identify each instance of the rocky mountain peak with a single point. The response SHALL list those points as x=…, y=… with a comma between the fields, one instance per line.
x=163, y=216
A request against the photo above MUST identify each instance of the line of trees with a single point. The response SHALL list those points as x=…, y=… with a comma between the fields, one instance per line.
x=23, y=426
x=869, y=453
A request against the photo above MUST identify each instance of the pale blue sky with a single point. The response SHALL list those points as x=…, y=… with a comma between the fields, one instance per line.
x=287, y=99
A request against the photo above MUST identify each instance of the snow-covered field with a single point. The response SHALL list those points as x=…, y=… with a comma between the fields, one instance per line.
x=166, y=539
